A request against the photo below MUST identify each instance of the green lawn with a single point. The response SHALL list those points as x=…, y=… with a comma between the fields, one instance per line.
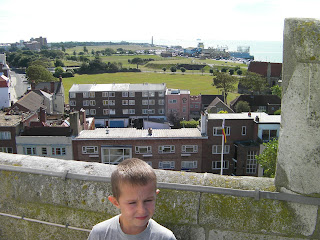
x=196, y=83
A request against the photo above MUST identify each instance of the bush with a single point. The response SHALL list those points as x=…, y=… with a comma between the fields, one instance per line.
x=189, y=124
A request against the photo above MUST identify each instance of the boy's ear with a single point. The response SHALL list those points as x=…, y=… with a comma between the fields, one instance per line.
x=157, y=191
x=114, y=201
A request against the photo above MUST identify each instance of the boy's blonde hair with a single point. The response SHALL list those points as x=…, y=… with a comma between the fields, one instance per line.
x=133, y=171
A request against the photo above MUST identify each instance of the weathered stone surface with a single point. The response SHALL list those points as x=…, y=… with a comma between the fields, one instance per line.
x=299, y=142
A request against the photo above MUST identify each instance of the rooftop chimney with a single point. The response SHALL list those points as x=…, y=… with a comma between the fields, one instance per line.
x=203, y=123
x=42, y=115
x=74, y=123
x=52, y=87
x=150, y=131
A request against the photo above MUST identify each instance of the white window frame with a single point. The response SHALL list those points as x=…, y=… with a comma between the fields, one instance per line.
x=114, y=152
x=72, y=103
x=6, y=149
x=216, y=149
x=72, y=95
x=173, y=101
x=161, y=102
x=125, y=94
x=244, y=130
x=251, y=164
x=145, y=102
x=161, y=110
x=186, y=165
x=145, y=94
x=164, y=149
x=132, y=102
x=152, y=102
x=166, y=164
x=29, y=150
x=93, y=111
x=143, y=149
x=44, y=151
x=152, y=94
x=86, y=103
x=217, y=165
x=105, y=94
x=92, y=94
x=189, y=148
x=132, y=111
x=112, y=94
x=125, y=102
x=58, y=151
x=125, y=111
x=85, y=94
x=145, y=111
x=161, y=94
x=151, y=111
x=5, y=135
x=131, y=94
x=92, y=102
x=108, y=102
x=269, y=134
x=90, y=150
x=217, y=131
x=87, y=112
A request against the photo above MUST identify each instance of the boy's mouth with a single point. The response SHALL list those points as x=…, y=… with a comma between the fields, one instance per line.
x=142, y=218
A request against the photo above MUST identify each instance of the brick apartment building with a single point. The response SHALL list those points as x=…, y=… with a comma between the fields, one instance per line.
x=118, y=105
x=178, y=103
x=174, y=149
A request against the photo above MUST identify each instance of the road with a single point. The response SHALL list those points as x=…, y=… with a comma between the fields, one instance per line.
x=19, y=85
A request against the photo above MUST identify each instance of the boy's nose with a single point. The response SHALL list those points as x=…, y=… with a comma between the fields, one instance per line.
x=141, y=209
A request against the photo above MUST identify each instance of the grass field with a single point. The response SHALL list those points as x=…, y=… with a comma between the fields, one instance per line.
x=196, y=83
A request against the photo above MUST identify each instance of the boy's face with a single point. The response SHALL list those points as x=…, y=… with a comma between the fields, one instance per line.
x=137, y=205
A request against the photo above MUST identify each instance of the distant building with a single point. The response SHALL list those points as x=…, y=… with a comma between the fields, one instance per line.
x=5, y=93
x=271, y=71
x=217, y=105
x=178, y=103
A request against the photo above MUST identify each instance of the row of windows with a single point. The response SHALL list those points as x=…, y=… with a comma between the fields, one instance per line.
x=6, y=149
x=55, y=151
x=124, y=111
x=113, y=102
x=147, y=149
x=112, y=94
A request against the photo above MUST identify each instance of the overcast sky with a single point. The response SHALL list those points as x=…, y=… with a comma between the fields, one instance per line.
x=139, y=20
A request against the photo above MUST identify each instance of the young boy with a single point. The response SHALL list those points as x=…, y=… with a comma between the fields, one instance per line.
x=134, y=189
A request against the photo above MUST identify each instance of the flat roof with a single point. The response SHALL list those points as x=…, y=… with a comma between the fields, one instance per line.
x=117, y=87
x=9, y=120
x=263, y=117
x=133, y=133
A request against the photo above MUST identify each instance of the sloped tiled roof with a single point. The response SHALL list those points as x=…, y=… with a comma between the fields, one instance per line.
x=31, y=101
x=207, y=99
x=216, y=101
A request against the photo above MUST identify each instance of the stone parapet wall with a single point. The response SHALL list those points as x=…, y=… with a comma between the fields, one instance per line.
x=74, y=193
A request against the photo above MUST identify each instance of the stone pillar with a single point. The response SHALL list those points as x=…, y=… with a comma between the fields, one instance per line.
x=298, y=164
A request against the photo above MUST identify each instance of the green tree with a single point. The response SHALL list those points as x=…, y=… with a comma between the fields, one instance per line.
x=85, y=49
x=276, y=90
x=231, y=71
x=211, y=71
x=164, y=69
x=38, y=73
x=268, y=158
x=239, y=72
x=58, y=71
x=226, y=82
x=182, y=69
x=58, y=63
x=242, y=106
x=254, y=82
x=137, y=61
x=173, y=69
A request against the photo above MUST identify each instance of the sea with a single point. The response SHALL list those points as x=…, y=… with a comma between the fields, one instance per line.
x=264, y=51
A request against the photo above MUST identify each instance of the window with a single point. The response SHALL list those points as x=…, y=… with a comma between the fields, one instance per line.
x=125, y=94
x=72, y=95
x=189, y=149
x=184, y=100
x=166, y=165
x=161, y=101
x=144, y=102
x=151, y=94
x=196, y=106
x=143, y=150
x=191, y=106
x=132, y=102
x=145, y=111
x=145, y=94
x=85, y=102
x=268, y=135
x=108, y=102
x=6, y=149
x=85, y=94
x=125, y=111
x=251, y=162
x=106, y=112
x=5, y=135
x=262, y=109
x=92, y=102
x=161, y=94
x=91, y=94
x=152, y=102
x=89, y=150
x=105, y=94
x=216, y=149
x=29, y=151
x=186, y=165
x=125, y=102
x=115, y=155
x=220, y=109
x=167, y=149
x=217, y=131
x=92, y=112
x=151, y=111
x=44, y=151
x=131, y=94
x=87, y=112
x=72, y=103
x=58, y=151
x=112, y=94
x=217, y=164
x=244, y=130
x=173, y=101
x=184, y=109
x=132, y=111
x=161, y=111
